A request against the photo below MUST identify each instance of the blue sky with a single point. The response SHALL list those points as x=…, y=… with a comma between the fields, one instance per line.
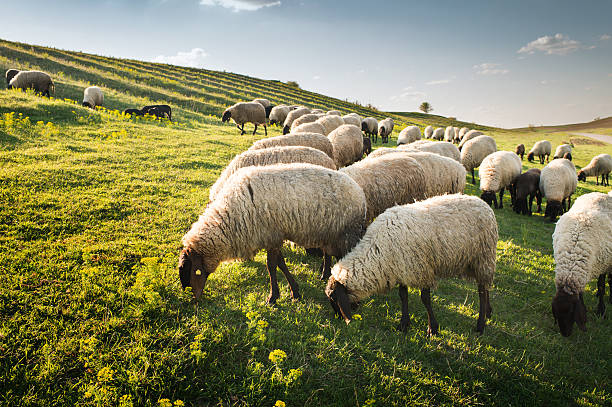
x=506, y=63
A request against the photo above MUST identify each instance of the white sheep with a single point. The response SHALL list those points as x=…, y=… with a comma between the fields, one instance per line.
x=369, y=126
x=497, y=172
x=278, y=114
x=307, y=118
x=409, y=135
x=334, y=113
x=313, y=127
x=401, y=248
x=558, y=182
x=561, y=150
x=347, y=142
x=293, y=115
x=260, y=208
x=583, y=251
x=600, y=165
x=318, y=111
x=246, y=112
x=443, y=148
x=438, y=134
x=40, y=82
x=468, y=136
x=428, y=132
x=385, y=128
x=330, y=123
x=457, y=138
x=541, y=149
x=93, y=96
x=462, y=132
x=475, y=150
x=353, y=119
x=449, y=134
x=314, y=140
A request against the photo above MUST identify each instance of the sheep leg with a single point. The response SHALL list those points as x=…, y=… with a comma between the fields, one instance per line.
x=255, y=130
x=569, y=202
x=489, y=309
x=483, y=295
x=271, y=263
x=597, y=180
x=431, y=319
x=494, y=200
x=326, y=266
x=610, y=287
x=501, y=198
x=265, y=130
x=539, y=200
x=601, y=292
x=405, y=321
x=293, y=286
x=531, y=196
x=473, y=180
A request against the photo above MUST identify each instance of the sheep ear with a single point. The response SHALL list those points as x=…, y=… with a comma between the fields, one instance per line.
x=343, y=302
x=184, y=268
x=580, y=314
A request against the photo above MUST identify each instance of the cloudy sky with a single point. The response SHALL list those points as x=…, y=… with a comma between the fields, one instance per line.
x=506, y=63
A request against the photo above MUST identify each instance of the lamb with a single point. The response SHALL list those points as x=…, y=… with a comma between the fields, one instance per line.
x=260, y=207
x=307, y=118
x=334, y=113
x=158, y=111
x=10, y=74
x=133, y=112
x=330, y=123
x=475, y=150
x=400, y=247
x=527, y=184
x=369, y=126
x=314, y=140
x=353, y=119
x=497, y=172
x=449, y=134
x=293, y=115
x=438, y=134
x=408, y=135
x=246, y=112
x=443, y=148
x=278, y=114
x=41, y=82
x=520, y=150
x=92, y=97
x=599, y=165
x=387, y=181
x=561, y=150
x=540, y=149
x=347, y=142
x=583, y=251
x=385, y=128
x=428, y=132
x=313, y=127
x=468, y=136
x=270, y=156
x=558, y=182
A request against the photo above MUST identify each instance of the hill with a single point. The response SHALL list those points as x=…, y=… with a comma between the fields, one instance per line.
x=605, y=123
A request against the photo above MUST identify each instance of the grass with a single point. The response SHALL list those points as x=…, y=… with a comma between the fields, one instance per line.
x=93, y=205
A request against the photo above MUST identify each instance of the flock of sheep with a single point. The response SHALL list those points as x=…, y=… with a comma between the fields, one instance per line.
x=396, y=217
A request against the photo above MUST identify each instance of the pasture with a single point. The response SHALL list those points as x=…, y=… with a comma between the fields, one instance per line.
x=93, y=206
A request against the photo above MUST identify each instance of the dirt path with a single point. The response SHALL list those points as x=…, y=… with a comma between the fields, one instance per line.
x=600, y=137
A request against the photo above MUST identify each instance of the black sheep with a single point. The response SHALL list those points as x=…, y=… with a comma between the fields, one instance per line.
x=527, y=185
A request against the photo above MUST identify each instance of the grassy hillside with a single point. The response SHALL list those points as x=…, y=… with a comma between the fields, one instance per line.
x=92, y=209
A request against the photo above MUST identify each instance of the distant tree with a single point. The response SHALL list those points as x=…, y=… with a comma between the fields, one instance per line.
x=426, y=107
x=293, y=84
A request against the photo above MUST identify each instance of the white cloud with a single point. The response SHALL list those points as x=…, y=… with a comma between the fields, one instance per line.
x=316, y=77
x=557, y=44
x=193, y=58
x=438, y=82
x=605, y=37
x=412, y=95
x=241, y=5
x=490, y=69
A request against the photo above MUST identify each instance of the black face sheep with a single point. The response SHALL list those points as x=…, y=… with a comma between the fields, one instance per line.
x=369, y=126
x=558, y=182
x=462, y=132
x=314, y=140
x=330, y=123
x=599, y=165
x=540, y=149
x=520, y=150
x=400, y=247
x=527, y=185
x=568, y=156
x=438, y=134
x=475, y=150
x=347, y=142
x=468, y=136
x=428, y=132
x=449, y=134
x=246, y=112
x=442, y=148
x=260, y=207
x=278, y=114
x=40, y=82
x=352, y=118
x=583, y=251
x=497, y=172
x=307, y=118
x=10, y=74
x=561, y=150
x=92, y=97
x=385, y=128
x=293, y=115
x=457, y=138
x=367, y=145
x=159, y=111
x=408, y=135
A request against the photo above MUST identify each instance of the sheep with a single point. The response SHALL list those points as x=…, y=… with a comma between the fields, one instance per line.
x=462, y=132
x=367, y=145
x=10, y=74
x=278, y=114
x=385, y=128
x=387, y=181
x=583, y=251
x=401, y=247
x=558, y=182
x=264, y=102
x=541, y=149
x=468, y=136
x=92, y=97
x=568, y=156
x=449, y=134
x=158, y=111
x=260, y=207
x=353, y=119
x=330, y=123
x=313, y=127
x=438, y=134
x=475, y=150
x=307, y=118
x=41, y=82
x=456, y=139
x=347, y=142
x=314, y=140
x=269, y=156
x=599, y=165
x=334, y=113
x=520, y=150
x=497, y=172
x=527, y=184
x=318, y=111
x=133, y=112
x=428, y=132
x=246, y=112
x=293, y=115
x=443, y=148
x=408, y=135
x=369, y=126
x=561, y=150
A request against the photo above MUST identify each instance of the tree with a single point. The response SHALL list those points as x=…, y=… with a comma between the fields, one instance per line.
x=293, y=84
x=425, y=107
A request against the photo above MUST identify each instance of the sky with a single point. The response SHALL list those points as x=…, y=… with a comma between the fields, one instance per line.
x=495, y=62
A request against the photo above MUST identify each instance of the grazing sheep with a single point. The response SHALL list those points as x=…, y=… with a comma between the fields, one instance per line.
x=449, y=134
x=348, y=144
x=540, y=149
x=497, y=172
x=270, y=156
x=314, y=140
x=330, y=123
x=468, y=136
x=600, y=165
x=158, y=111
x=390, y=180
x=527, y=184
x=583, y=252
x=462, y=132
x=278, y=114
x=318, y=111
x=260, y=207
x=475, y=150
x=133, y=112
x=92, y=97
x=369, y=126
x=293, y=115
x=334, y=113
x=313, y=127
x=264, y=102
x=443, y=148
x=558, y=182
x=456, y=139
x=428, y=132
x=402, y=246
x=385, y=128
x=10, y=74
x=307, y=118
x=353, y=119
x=561, y=150
x=520, y=150
x=40, y=82
x=367, y=145
x=246, y=112
x=408, y=135
x=438, y=134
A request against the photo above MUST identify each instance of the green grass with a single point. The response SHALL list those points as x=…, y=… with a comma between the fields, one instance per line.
x=92, y=210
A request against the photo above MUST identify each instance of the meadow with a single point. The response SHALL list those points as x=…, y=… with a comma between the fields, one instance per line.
x=93, y=205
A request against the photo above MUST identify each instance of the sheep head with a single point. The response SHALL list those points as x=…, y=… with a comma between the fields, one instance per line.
x=553, y=209
x=193, y=271
x=339, y=300
x=582, y=176
x=567, y=309
x=87, y=104
x=530, y=157
x=489, y=198
x=226, y=116
x=286, y=130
